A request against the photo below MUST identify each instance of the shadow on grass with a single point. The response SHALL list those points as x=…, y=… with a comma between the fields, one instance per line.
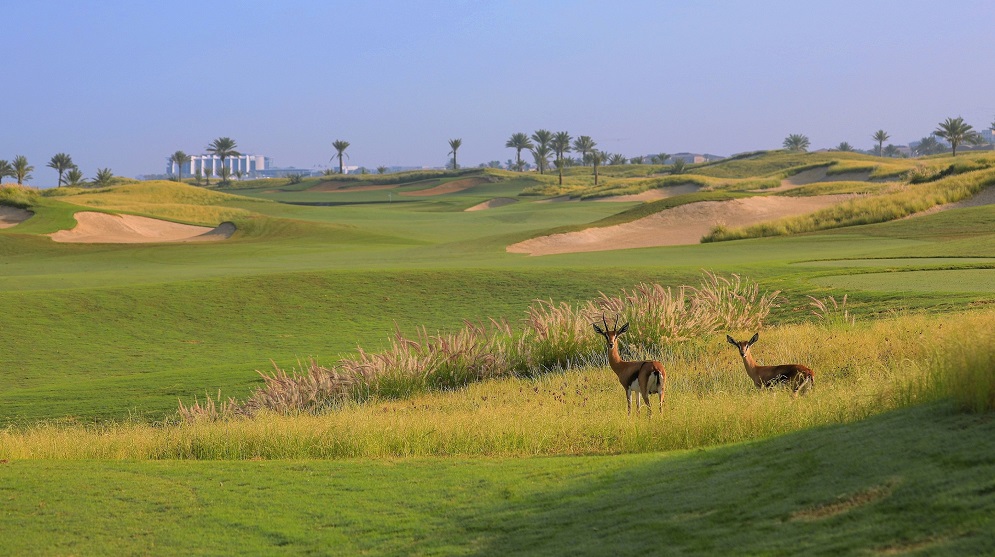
x=911, y=480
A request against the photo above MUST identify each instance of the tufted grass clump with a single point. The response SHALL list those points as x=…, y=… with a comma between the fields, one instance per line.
x=552, y=338
x=966, y=372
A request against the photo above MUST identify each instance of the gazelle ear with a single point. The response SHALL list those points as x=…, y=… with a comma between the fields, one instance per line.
x=731, y=341
x=624, y=328
x=597, y=328
x=755, y=337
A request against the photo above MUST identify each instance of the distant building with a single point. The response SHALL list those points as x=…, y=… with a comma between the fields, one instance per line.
x=251, y=166
x=986, y=134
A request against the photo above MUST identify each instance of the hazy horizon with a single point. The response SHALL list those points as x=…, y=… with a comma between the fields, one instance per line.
x=123, y=85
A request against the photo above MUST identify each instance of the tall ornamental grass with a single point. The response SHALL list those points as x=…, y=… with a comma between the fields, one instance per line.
x=861, y=370
x=553, y=337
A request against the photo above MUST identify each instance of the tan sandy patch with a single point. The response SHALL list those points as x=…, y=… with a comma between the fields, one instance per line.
x=101, y=228
x=491, y=204
x=685, y=224
x=348, y=186
x=12, y=216
x=449, y=187
x=655, y=194
x=814, y=175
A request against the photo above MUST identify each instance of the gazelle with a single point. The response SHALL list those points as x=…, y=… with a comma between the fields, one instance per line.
x=796, y=375
x=642, y=378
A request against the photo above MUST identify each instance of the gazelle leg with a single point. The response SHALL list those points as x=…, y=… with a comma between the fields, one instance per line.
x=628, y=402
x=646, y=399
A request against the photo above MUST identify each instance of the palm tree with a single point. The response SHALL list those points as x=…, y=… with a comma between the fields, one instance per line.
x=103, y=177
x=179, y=158
x=928, y=146
x=22, y=170
x=454, y=145
x=616, y=159
x=584, y=145
x=597, y=157
x=560, y=144
x=340, y=147
x=796, y=142
x=956, y=131
x=542, y=137
x=844, y=146
x=637, y=160
x=679, y=166
x=518, y=142
x=890, y=151
x=207, y=175
x=61, y=162
x=381, y=169
x=880, y=136
x=659, y=159
x=74, y=177
x=541, y=155
x=223, y=147
x=6, y=170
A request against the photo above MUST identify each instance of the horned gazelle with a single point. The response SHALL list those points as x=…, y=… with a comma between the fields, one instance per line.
x=797, y=376
x=643, y=377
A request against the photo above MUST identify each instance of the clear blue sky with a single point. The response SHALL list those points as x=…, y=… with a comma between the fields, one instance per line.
x=123, y=84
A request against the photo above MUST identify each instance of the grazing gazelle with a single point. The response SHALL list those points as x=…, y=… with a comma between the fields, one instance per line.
x=796, y=375
x=642, y=378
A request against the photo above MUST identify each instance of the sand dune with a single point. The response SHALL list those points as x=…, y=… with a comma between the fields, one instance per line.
x=12, y=216
x=685, y=224
x=102, y=228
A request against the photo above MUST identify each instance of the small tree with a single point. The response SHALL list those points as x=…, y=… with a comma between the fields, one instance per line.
x=617, y=159
x=103, y=177
x=381, y=169
x=796, y=142
x=22, y=170
x=179, y=158
x=956, y=131
x=584, y=145
x=223, y=147
x=659, y=159
x=454, y=145
x=61, y=162
x=637, y=160
x=6, y=169
x=518, y=142
x=844, y=146
x=679, y=166
x=74, y=177
x=340, y=147
x=207, y=176
x=597, y=157
x=880, y=136
x=540, y=153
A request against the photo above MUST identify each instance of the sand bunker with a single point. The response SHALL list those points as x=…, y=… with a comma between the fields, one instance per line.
x=491, y=204
x=449, y=187
x=12, y=216
x=685, y=224
x=814, y=175
x=101, y=228
x=348, y=186
x=656, y=193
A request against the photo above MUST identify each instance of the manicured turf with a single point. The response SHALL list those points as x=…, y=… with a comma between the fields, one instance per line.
x=918, y=480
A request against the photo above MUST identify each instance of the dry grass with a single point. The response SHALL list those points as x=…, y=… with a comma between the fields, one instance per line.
x=554, y=337
x=862, y=370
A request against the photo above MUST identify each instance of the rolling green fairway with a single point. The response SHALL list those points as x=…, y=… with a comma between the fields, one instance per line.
x=100, y=341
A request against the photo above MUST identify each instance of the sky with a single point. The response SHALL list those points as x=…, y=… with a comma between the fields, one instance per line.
x=124, y=84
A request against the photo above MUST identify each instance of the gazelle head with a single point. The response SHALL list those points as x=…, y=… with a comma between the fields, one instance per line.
x=744, y=346
x=611, y=335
